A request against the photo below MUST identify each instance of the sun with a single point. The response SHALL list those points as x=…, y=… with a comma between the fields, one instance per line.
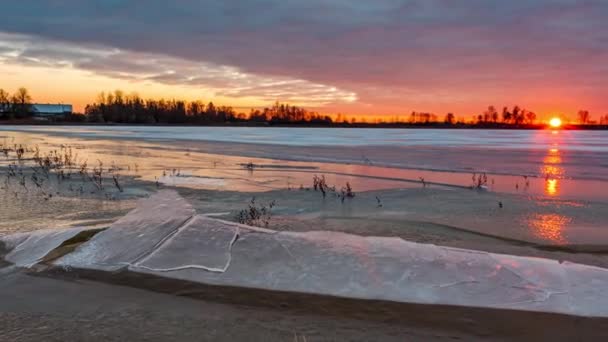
x=555, y=122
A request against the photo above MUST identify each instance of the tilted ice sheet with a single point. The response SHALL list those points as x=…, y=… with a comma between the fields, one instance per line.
x=202, y=243
x=162, y=238
x=393, y=269
x=38, y=244
x=13, y=240
x=133, y=236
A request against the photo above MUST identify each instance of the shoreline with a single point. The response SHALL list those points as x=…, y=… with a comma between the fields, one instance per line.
x=438, y=125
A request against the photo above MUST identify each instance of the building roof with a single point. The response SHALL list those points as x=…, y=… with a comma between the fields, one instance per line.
x=43, y=109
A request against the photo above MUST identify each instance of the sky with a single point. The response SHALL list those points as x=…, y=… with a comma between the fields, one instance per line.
x=382, y=57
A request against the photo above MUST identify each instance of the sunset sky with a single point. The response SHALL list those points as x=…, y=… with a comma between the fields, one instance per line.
x=356, y=57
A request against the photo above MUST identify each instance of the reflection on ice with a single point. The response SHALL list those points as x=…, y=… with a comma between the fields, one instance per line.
x=366, y=168
x=550, y=226
x=552, y=187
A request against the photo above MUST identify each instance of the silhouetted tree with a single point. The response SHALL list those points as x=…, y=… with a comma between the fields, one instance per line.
x=422, y=118
x=490, y=115
x=120, y=108
x=583, y=117
x=506, y=115
x=21, y=103
x=450, y=119
x=5, y=103
x=530, y=117
x=517, y=116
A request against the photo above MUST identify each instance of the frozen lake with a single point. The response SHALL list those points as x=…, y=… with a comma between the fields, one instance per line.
x=553, y=186
x=545, y=154
x=588, y=141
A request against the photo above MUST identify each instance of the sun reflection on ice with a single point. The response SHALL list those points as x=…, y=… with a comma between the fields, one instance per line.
x=550, y=226
x=552, y=187
x=553, y=171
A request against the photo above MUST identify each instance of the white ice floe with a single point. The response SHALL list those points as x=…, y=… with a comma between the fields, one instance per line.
x=28, y=249
x=212, y=241
x=134, y=236
x=392, y=269
x=163, y=238
x=13, y=240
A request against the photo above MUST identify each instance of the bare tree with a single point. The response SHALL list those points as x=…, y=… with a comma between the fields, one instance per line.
x=583, y=117
x=22, y=103
x=506, y=115
x=530, y=117
x=490, y=114
x=450, y=119
x=5, y=102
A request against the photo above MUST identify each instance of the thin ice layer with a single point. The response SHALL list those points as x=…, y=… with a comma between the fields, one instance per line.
x=202, y=243
x=135, y=235
x=393, y=269
x=209, y=251
x=38, y=244
x=13, y=240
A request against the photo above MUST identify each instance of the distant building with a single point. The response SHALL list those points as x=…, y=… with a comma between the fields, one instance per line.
x=43, y=110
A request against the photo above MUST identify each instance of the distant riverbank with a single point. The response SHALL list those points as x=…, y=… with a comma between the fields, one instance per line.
x=400, y=125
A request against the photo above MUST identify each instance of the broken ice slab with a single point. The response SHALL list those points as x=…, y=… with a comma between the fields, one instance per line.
x=164, y=240
x=344, y=265
x=36, y=245
x=202, y=243
x=135, y=235
x=11, y=241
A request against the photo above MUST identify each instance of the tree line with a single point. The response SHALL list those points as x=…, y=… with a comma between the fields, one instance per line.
x=17, y=105
x=121, y=108
x=116, y=107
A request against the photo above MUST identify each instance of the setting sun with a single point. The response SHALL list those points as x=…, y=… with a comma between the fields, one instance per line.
x=555, y=122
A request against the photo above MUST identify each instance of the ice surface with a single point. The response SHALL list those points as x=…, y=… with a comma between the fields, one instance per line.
x=190, y=180
x=389, y=269
x=202, y=243
x=13, y=240
x=38, y=244
x=162, y=238
x=293, y=136
x=135, y=235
